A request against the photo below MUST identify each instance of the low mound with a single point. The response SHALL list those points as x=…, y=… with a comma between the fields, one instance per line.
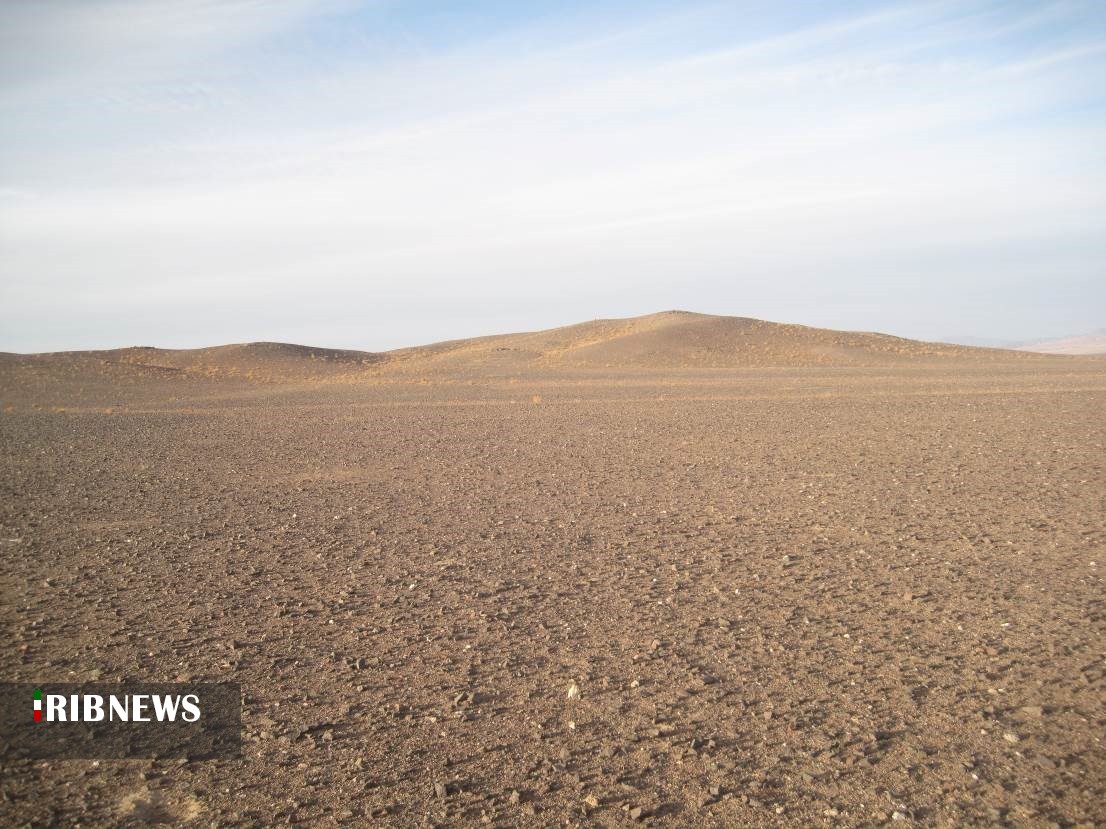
x=273, y=359
x=145, y=367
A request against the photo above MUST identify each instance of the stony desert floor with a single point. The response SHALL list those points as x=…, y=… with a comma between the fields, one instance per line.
x=810, y=595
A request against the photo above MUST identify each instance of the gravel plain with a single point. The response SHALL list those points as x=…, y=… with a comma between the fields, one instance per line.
x=809, y=595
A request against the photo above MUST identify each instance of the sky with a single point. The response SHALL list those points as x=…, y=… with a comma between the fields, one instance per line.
x=377, y=174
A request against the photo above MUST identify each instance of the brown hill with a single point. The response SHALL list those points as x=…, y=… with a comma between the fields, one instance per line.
x=681, y=339
x=667, y=341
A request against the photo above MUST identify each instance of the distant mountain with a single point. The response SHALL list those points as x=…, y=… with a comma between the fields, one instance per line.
x=1086, y=344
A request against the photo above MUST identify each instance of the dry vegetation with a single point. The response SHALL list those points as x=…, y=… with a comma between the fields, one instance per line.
x=682, y=570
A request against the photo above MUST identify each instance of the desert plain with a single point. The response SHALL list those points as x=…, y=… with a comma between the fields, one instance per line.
x=675, y=570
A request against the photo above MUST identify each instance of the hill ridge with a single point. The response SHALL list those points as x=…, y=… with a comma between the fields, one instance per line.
x=664, y=340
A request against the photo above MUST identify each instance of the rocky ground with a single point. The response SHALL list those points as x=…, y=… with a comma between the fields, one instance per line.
x=767, y=597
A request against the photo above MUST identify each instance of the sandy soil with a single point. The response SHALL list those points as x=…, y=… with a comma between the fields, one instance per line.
x=846, y=586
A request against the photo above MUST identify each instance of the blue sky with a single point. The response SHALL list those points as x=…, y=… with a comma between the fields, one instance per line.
x=378, y=174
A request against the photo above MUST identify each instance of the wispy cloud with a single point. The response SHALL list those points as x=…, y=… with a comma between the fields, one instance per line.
x=354, y=175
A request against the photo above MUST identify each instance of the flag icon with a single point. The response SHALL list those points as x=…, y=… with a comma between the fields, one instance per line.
x=38, y=705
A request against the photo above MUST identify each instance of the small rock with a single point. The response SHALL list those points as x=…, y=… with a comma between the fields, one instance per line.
x=591, y=801
x=637, y=813
x=573, y=691
x=898, y=816
x=515, y=797
x=1011, y=737
x=440, y=791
